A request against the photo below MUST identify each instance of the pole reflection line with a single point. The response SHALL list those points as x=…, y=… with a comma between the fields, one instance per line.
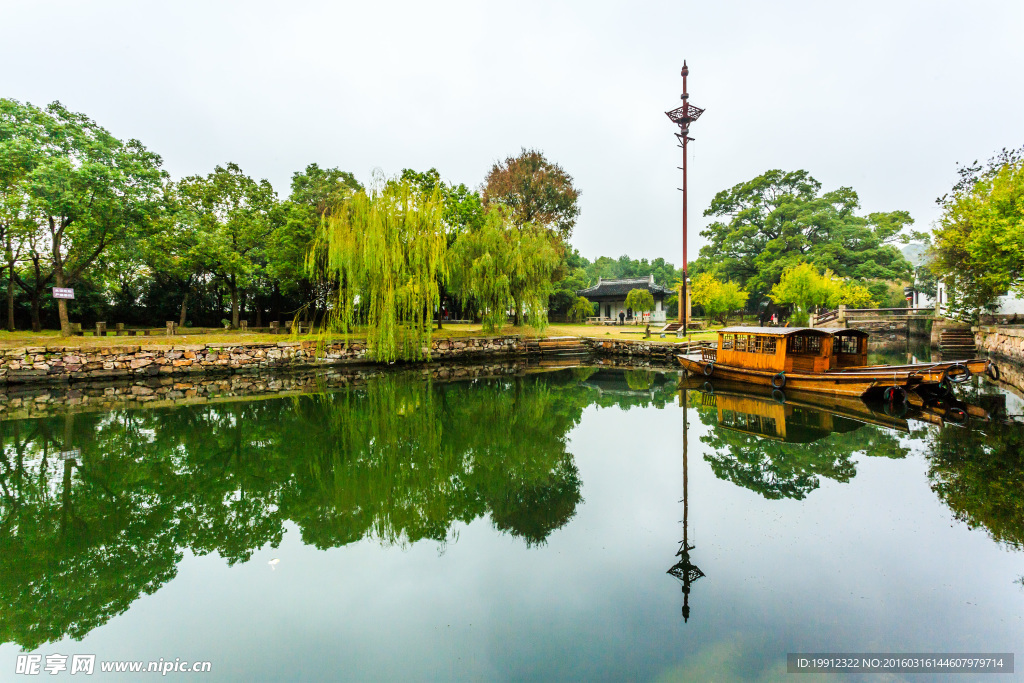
x=684, y=569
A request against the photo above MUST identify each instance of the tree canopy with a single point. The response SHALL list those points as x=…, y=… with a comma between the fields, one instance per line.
x=718, y=299
x=501, y=268
x=74, y=190
x=387, y=249
x=804, y=287
x=979, y=242
x=779, y=219
x=535, y=191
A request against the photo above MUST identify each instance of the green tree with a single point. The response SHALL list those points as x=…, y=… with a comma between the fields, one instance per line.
x=779, y=219
x=535, y=192
x=639, y=300
x=388, y=250
x=581, y=310
x=231, y=217
x=979, y=243
x=86, y=190
x=463, y=210
x=718, y=299
x=804, y=287
x=500, y=267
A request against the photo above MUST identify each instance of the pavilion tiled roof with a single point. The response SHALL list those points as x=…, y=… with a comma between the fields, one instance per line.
x=621, y=287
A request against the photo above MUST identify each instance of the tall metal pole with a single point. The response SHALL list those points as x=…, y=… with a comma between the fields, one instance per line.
x=682, y=117
x=684, y=299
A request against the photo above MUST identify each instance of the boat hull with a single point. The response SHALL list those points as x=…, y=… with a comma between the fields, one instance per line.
x=857, y=381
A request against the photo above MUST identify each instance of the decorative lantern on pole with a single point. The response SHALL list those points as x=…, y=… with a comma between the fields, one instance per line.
x=682, y=117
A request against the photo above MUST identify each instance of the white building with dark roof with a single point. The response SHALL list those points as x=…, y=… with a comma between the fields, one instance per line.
x=610, y=296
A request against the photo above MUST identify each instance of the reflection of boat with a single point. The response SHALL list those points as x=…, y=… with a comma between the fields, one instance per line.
x=821, y=360
x=797, y=416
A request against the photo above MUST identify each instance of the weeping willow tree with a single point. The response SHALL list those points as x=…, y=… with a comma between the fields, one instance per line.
x=386, y=249
x=499, y=268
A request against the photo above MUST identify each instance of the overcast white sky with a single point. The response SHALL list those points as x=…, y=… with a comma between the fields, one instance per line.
x=885, y=97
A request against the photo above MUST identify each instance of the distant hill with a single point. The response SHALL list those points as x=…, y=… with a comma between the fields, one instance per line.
x=915, y=253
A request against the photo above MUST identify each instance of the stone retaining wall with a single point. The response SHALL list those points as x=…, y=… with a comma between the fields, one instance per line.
x=1006, y=345
x=633, y=348
x=1004, y=341
x=71, y=363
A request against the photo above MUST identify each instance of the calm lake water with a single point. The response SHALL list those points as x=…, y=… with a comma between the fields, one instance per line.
x=514, y=528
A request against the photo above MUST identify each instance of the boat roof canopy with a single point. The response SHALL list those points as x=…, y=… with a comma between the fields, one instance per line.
x=776, y=331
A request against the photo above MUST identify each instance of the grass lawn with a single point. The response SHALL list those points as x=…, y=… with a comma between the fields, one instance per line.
x=19, y=339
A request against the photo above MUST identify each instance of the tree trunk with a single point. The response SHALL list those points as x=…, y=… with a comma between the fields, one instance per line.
x=37, y=325
x=233, y=287
x=184, y=310
x=62, y=304
x=519, y=313
x=10, y=300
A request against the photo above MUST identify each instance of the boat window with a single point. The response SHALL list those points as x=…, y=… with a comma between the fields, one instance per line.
x=769, y=345
x=758, y=342
x=813, y=344
x=741, y=342
x=796, y=344
x=848, y=344
x=727, y=340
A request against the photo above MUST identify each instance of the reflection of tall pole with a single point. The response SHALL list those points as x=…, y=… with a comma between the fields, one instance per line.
x=684, y=569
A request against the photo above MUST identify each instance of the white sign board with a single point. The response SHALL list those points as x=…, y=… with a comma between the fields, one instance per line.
x=68, y=455
x=63, y=293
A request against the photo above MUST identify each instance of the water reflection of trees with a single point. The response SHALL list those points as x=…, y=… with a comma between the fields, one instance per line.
x=778, y=469
x=979, y=473
x=399, y=460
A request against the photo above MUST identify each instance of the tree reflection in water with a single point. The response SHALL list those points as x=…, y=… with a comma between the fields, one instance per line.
x=782, y=451
x=399, y=459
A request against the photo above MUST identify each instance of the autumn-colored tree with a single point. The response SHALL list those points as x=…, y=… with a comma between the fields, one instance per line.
x=534, y=192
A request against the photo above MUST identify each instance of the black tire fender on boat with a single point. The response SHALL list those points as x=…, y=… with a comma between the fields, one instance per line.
x=895, y=409
x=956, y=416
x=709, y=368
x=992, y=371
x=779, y=380
x=709, y=388
x=779, y=395
x=958, y=373
x=895, y=395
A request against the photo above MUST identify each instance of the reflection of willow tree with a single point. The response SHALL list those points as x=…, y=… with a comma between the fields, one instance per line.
x=979, y=474
x=398, y=459
x=777, y=469
x=639, y=380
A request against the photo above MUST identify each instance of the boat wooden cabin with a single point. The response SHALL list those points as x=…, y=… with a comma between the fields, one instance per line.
x=829, y=360
x=791, y=349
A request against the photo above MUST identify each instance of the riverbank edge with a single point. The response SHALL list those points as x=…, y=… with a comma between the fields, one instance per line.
x=45, y=365
x=1005, y=345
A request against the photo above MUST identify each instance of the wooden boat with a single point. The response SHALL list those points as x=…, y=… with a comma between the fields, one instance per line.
x=822, y=360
